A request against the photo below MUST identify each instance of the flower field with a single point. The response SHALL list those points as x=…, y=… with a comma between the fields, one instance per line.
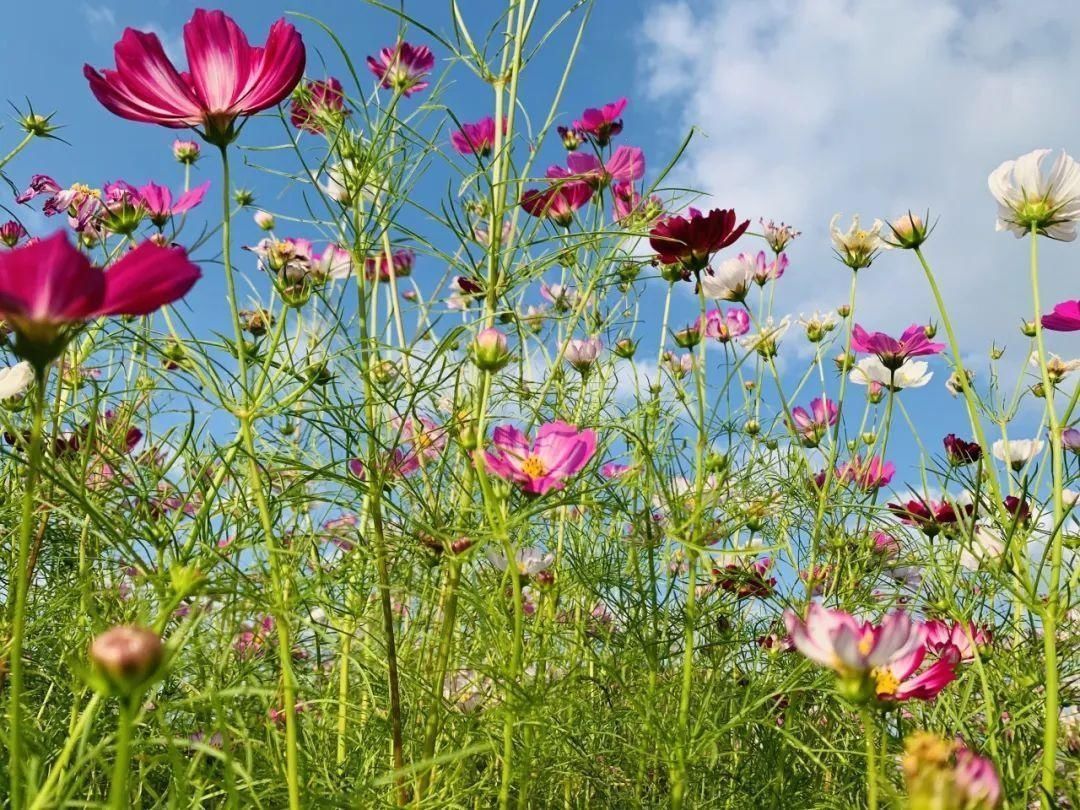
x=496, y=477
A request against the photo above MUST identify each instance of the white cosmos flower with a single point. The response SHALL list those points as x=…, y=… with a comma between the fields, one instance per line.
x=731, y=280
x=1017, y=452
x=912, y=374
x=14, y=380
x=769, y=335
x=1027, y=197
x=528, y=561
x=987, y=545
x=858, y=246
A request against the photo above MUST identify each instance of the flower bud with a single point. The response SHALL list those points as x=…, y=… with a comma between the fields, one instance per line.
x=1027, y=328
x=749, y=385
x=997, y=353
x=908, y=231
x=489, y=349
x=264, y=220
x=11, y=233
x=843, y=310
x=930, y=330
x=244, y=197
x=844, y=362
x=625, y=348
x=36, y=125
x=868, y=437
x=384, y=372
x=752, y=427
x=186, y=152
x=688, y=337
x=126, y=657
x=875, y=392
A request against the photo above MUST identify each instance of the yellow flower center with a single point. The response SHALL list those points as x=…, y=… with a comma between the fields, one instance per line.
x=866, y=644
x=885, y=682
x=534, y=467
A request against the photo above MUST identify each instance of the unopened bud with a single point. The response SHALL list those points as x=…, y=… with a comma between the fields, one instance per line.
x=489, y=349
x=1027, y=328
x=264, y=220
x=126, y=657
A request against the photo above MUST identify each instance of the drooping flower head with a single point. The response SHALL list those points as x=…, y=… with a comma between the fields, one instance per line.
x=1030, y=198
x=1064, y=318
x=317, y=105
x=82, y=204
x=601, y=124
x=811, y=425
x=227, y=77
x=476, y=139
x=48, y=290
x=894, y=352
x=690, y=241
x=403, y=68
x=559, y=452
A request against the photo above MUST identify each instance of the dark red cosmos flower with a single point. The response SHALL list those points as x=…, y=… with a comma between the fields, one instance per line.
x=929, y=515
x=691, y=241
x=960, y=452
x=1017, y=507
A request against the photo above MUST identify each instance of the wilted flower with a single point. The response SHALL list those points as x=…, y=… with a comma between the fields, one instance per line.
x=1029, y=198
x=1056, y=368
x=954, y=386
x=1017, y=452
x=559, y=452
x=777, y=236
x=817, y=326
x=766, y=340
x=857, y=248
x=403, y=68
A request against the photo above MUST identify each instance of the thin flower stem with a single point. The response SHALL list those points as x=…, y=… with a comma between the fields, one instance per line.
x=6, y=159
x=1052, y=609
x=678, y=787
x=871, y=760
x=119, y=798
x=20, y=578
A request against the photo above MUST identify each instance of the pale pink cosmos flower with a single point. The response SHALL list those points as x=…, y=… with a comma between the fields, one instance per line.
x=894, y=352
x=777, y=236
x=964, y=637
x=158, y=203
x=528, y=562
x=335, y=262
x=227, y=77
x=559, y=452
x=811, y=425
x=869, y=474
x=899, y=680
x=424, y=442
x=977, y=779
x=403, y=68
x=850, y=646
x=318, y=103
x=766, y=271
x=726, y=326
x=582, y=354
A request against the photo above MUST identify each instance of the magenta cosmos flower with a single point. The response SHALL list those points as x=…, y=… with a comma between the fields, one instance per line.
x=893, y=352
x=48, y=289
x=476, y=139
x=601, y=124
x=869, y=475
x=626, y=164
x=227, y=77
x=158, y=203
x=811, y=426
x=316, y=104
x=558, y=202
x=403, y=68
x=1064, y=318
x=900, y=680
x=850, y=646
x=691, y=241
x=560, y=451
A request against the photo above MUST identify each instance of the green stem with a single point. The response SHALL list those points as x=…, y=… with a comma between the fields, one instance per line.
x=678, y=787
x=18, y=148
x=871, y=761
x=1051, y=611
x=21, y=579
x=119, y=799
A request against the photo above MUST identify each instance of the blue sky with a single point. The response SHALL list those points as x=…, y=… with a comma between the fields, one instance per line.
x=802, y=110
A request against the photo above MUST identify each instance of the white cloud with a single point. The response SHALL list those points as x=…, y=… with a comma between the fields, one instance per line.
x=876, y=107
x=103, y=26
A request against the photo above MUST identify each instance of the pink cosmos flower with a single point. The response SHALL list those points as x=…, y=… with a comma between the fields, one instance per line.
x=583, y=353
x=403, y=68
x=626, y=201
x=726, y=326
x=691, y=241
x=48, y=289
x=615, y=470
x=977, y=780
x=476, y=139
x=1064, y=318
x=892, y=352
x=812, y=426
x=424, y=442
x=849, y=646
x=869, y=475
x=626, y=164
x=745, y=577
x=377, y=268
x=601, y=124
x=898, y=681
x=886, y=545
x=559, y=452
x=964, y=637
x=158, y=203
x=766, y=271
x=316, y=104
x=227, y=77
x=558, y=202
x=186, y=152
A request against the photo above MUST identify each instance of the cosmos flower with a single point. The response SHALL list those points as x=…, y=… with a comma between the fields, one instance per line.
x=690, y=241
x=850, y=646
x=900, y=680
x=868, y=475
x=316, y=104
x=1029, y=197
x=857, y=247
x=227, y=78
x=911, y=374
x=777, y=236
x=1064, y=318
x=811, y=426
x=403, y=68
x=726, y=326
x=894, y=352
x=625, y=165
x=1017, y=452
x=960, y=452
x=583, y=353
x=558, y=202
x=559, y=452
x=158, y=203
x=476, y=139
x=14, y=380
x=601, y=124
x=732, y=278
x=929, y=515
